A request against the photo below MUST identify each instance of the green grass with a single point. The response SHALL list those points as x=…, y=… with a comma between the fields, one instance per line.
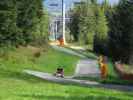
x=23, y=58
x=53, y=59
x=35, y=89
x=16, y=85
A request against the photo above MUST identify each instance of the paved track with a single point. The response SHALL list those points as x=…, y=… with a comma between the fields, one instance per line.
x=87, y=68
x=52, y=78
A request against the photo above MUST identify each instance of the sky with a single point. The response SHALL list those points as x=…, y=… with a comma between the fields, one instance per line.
x=67, y=2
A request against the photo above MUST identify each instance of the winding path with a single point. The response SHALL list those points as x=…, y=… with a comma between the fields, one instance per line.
x=51, y=78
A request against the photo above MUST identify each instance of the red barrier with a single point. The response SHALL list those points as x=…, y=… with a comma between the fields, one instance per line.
x=124, y=75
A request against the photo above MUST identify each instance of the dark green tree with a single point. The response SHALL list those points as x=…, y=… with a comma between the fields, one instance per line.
x=121, y=34
x=21, y=21
x=73, y=25
x=90, y=25
x=8, y=27
x=87, y=23
x=28, y=17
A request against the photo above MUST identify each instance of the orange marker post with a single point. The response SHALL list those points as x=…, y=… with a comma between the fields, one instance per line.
x=103, y=67
x=61, y=41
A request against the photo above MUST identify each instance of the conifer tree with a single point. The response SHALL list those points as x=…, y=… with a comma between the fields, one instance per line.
x=101, y=32
x=74, y=23
x=87, y=23
x=8, y=27
x=21, y=21
x=31, y=18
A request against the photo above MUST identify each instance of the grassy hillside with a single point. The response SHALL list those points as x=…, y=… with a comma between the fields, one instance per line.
x=16, y=85
x=46, y=60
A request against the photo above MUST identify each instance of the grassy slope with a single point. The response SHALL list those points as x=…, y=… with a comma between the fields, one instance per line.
x=22, y=58
x=88, y=54
x=15, y=85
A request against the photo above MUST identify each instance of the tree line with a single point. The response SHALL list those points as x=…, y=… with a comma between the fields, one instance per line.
x=22, y=21
x=108, y=29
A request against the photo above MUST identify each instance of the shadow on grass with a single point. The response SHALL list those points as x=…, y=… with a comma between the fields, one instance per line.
x=109, y=80
x=114, y=80
x=89, y=97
